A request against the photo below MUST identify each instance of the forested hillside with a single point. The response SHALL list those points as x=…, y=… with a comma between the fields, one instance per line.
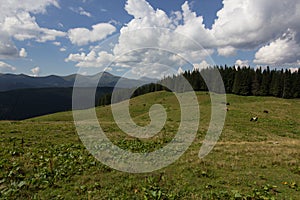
x=247, y=81
x=27, y=103
x=244, y=81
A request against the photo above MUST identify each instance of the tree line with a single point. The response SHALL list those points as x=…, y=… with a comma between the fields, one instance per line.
x=244, y=81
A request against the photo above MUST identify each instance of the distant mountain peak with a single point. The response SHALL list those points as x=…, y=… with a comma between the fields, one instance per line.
x=23, y=81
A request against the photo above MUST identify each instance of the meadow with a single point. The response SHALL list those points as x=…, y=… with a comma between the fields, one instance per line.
x=43, y=157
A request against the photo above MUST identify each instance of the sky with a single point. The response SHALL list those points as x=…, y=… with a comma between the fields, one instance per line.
x=146, y=38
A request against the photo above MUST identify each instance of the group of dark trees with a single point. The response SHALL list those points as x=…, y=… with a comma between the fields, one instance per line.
x=244, y=81
x=247, y=81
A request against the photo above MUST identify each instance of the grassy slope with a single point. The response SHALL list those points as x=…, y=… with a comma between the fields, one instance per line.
x=251, y=159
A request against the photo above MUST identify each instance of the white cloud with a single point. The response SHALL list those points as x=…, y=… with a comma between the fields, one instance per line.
x=139, y=8
x=194, y=28
x=142, y=47
x=170, y=34
x=242, y=63
x=35, y=71
x=76, y=57
x=241, y=25
x=284, y=50
x=62, y=49
x=60, y=25
x=227, y=51
x=180, y=71
x=114, y=22
x=83, y=36
x=32, y=6
x=7, y=47
x=92, y=59
x=23, y=26
x=56, y=43
x=23, y=53
x=4, y=67
x=85, y=13
x=81, y=11
x=293, y=69
x=202, y=65
x=17, y=22
x=245, y=24
x=176, y=17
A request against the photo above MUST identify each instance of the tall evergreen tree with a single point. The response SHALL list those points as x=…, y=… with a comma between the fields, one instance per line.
x=276, y=88
x=296, y=84
x=265, y=82
x=287, y=87
x=237, y=81
x=256, y=82
x=242, y=82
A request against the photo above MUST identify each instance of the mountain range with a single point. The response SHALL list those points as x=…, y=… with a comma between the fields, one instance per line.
x=21, y=81
x=23, y=97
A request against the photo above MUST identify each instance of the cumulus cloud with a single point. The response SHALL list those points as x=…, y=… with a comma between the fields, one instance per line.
x=92, y=59
x=23, y=26
x=7, y=47
x=227, y=51
x=35, y=71
x=179, y=35
x=284, y=50
x=194, y=28
x=241, y=25
x=83, y=36
x=23, y=53
x=202, y=65
x=32, y=6
x=4, y=67
x=293, y=69
x=180, y=71
x=17, y=22
x=249, y=24
x=152, y=41
x=242, y=63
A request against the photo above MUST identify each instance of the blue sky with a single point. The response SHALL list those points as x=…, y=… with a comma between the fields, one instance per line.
x=62, y=36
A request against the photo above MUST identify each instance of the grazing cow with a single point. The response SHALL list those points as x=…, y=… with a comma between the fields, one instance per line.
x=265, y=111
x=254, y=119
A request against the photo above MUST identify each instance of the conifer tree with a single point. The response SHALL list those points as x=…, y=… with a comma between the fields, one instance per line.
x=287, y=88
x=256, y=82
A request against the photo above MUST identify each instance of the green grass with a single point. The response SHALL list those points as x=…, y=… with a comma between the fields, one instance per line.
x=251, y=160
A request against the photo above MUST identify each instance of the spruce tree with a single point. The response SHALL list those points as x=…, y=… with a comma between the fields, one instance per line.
x=237, y=81
x=287, y=87
x=296, y=84
x=256, y=82
x=265, y=83
x=276, y=83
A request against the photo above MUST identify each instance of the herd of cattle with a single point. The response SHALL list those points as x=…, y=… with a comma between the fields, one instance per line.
x=253, y=119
